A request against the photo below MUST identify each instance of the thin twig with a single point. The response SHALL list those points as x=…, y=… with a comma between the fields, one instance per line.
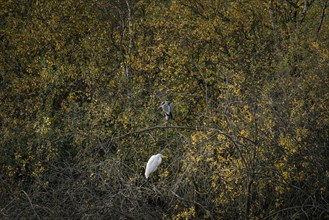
x=4, y=208
x=233, y=140
x=193, y=202
x=289, y=208
x=27, y=196
x=170, y=127
x=322, y=16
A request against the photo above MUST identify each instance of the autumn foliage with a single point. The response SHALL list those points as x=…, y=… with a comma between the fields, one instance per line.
x=80, y=87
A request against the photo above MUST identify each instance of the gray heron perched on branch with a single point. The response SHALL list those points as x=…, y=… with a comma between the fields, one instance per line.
x=167, y=108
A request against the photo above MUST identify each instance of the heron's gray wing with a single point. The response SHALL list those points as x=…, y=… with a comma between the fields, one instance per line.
x=171, y=106
x=166, y=108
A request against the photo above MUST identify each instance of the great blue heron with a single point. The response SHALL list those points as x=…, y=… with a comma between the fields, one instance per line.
x=167, y=108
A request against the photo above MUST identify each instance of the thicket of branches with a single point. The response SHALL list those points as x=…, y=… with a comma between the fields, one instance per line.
x=80, y=86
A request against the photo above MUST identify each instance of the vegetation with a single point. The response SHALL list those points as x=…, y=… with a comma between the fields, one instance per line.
x=80, y=86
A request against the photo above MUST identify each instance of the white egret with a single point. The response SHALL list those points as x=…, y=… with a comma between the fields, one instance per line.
x=153, y=164
x=167, y=108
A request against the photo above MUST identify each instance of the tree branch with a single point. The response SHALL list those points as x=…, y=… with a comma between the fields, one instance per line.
x=27, y=196
x=322, y=16
x=171, y=127
x=233, y=140
x=292, y=3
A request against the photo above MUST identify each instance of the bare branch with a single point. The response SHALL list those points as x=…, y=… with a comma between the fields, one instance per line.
x=170, y=127
x=27, y=196
x=292, y=3
x=304, y=11
x=193, y=202
x=293, y=207
x=232, y=139
x=322, y=16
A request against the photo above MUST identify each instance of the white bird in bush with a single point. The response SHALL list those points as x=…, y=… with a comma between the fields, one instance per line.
x=152, y=164
x=167, y=108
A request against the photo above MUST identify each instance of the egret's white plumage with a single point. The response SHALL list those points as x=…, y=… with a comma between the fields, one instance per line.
x=153, y=164
x=167, y=108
